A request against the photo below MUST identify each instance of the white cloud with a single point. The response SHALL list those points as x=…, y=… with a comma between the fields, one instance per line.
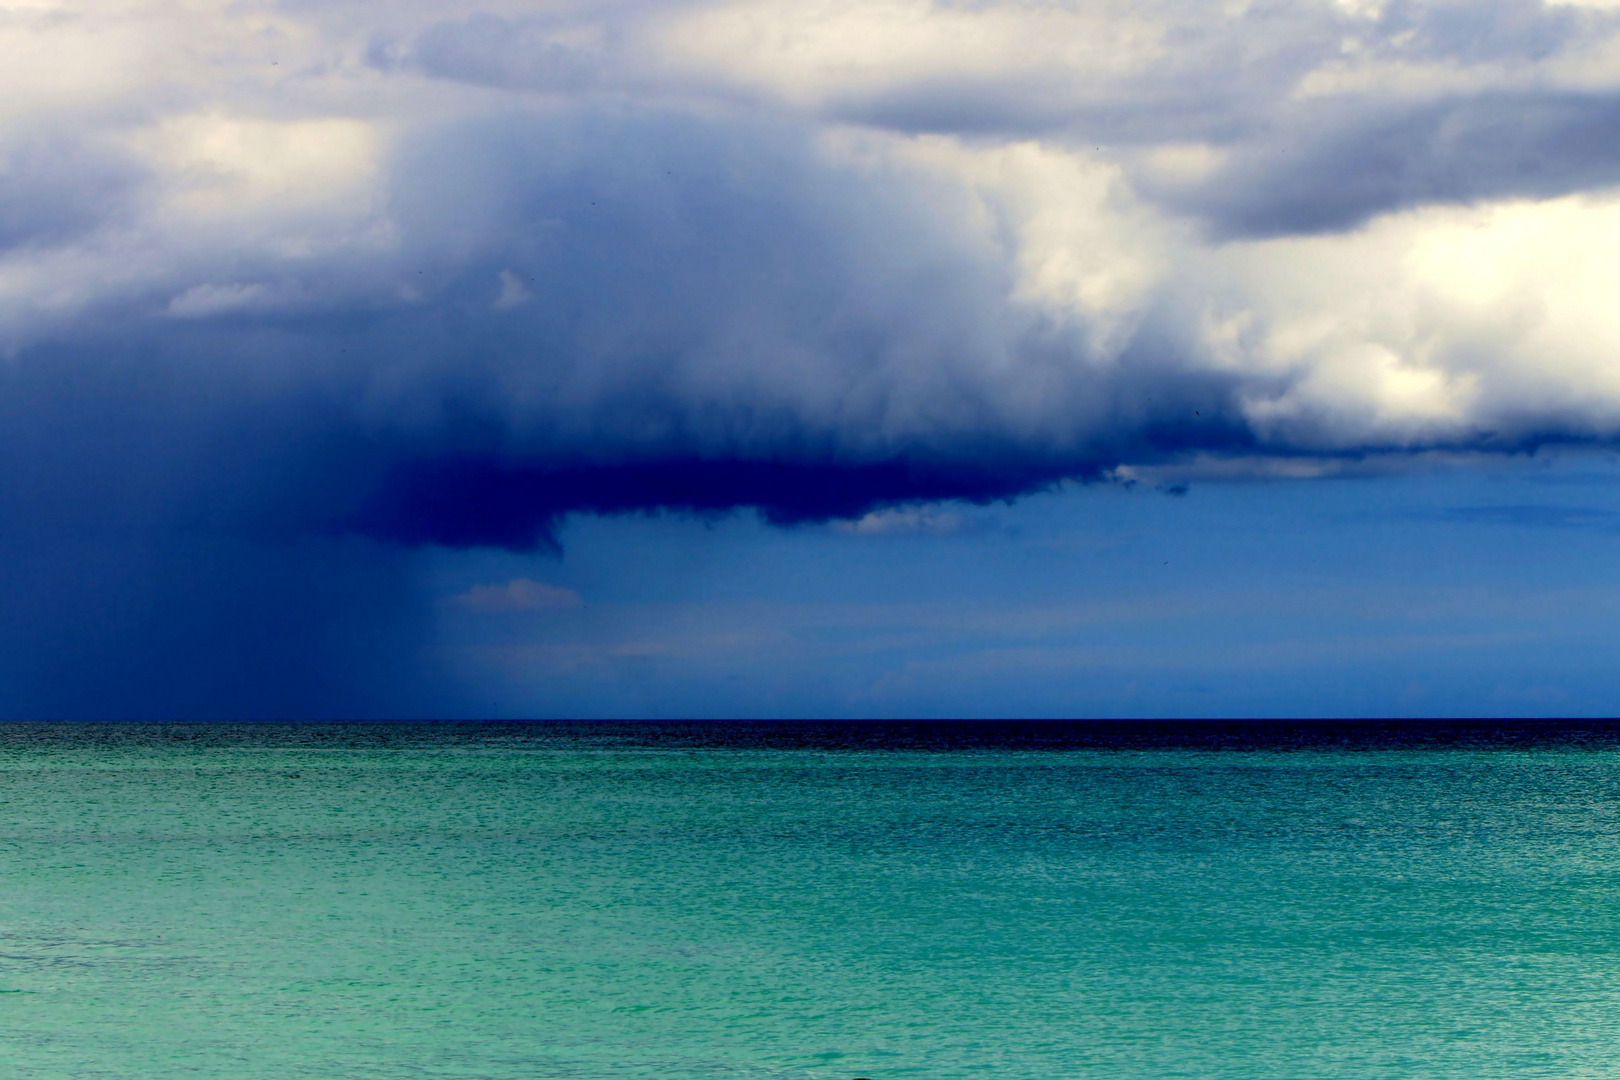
x=513, y=292
x=912, y=521
x=812, y=53
x=215, y=164
x=1433, y=324
x=202, y=301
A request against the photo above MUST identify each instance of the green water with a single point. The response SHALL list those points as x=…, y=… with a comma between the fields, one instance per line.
x=528, y=908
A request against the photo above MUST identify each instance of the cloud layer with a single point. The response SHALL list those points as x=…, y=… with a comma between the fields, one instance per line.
x=283, y=274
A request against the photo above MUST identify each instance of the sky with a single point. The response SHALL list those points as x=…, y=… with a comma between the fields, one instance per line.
x=846, y=357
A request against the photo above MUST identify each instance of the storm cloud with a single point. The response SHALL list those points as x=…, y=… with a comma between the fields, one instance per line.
x=287, y=290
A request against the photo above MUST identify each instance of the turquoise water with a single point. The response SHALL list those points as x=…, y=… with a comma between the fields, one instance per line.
x=535, y=907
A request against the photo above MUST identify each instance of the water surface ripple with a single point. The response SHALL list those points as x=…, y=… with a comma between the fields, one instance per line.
x=618, y=902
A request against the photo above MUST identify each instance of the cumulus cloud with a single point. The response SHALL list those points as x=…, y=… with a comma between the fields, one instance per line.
x=287, y=274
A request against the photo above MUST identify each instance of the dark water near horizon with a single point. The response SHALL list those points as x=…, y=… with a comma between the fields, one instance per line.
x=810, y=901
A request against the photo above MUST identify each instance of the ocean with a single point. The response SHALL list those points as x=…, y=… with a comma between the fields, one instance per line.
x=808, y=902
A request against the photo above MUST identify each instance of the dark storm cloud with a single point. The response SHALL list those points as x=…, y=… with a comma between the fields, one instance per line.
x=577, y=279
x=212, y=514
x=607, y=313
x=711, y=321
x=143, y=576
x=707, y=321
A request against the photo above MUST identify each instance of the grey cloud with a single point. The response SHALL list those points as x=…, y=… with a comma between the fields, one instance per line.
x=1322, y=173
x=1461, y=32
x=1328, y=162
x=493, y=51
x=55, y=185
